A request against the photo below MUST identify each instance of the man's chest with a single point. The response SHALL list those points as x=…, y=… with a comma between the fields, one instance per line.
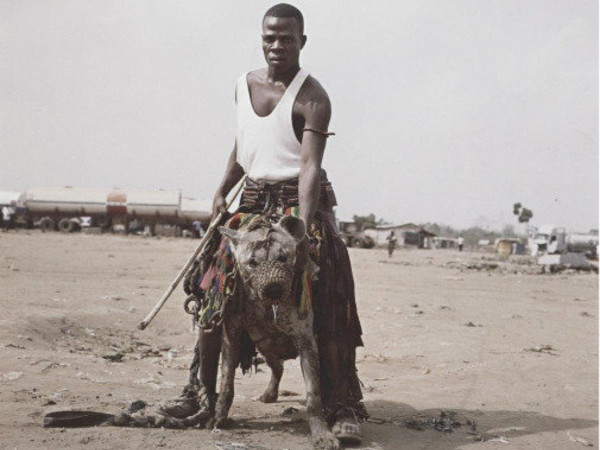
x=265, y=98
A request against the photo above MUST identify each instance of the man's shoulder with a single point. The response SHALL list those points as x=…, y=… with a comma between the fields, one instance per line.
x=256, y=76
x=313, y=90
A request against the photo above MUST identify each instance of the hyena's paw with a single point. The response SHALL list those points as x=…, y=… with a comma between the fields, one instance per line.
x=326, y=441
x=221, y=423
x=269, y=396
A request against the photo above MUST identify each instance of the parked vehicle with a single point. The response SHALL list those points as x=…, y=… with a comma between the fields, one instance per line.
x=70, y=209
x=355, y=237
x=552, y=240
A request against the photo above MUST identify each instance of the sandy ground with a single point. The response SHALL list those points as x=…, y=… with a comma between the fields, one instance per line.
x=437, y=338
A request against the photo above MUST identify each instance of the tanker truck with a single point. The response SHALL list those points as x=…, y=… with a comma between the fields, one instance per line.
x=69, y=209
x=551, y=240
x=66, y=209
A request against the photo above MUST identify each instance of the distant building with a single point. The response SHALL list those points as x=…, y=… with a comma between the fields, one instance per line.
x=509, y=246
x=408, y=234
x=445, y=242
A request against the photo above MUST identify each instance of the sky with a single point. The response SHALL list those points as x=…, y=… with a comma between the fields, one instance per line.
x=444, y=111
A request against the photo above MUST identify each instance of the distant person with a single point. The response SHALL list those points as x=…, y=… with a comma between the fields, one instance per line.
x=461, y=242
x=197, y=226
x=7, y=216
x=392, y=240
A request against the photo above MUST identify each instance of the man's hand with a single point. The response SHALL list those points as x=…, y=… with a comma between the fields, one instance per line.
x=219, y=205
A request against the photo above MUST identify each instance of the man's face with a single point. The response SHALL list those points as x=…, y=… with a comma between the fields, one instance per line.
x=282, y=41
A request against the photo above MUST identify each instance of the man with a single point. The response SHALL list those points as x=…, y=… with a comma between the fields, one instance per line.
x=283, y=117
x=7, y=215
x=391, y=238
x=461, y=243
x=197, y=226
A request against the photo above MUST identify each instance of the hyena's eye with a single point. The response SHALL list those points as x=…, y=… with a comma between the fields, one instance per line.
x=252, y=262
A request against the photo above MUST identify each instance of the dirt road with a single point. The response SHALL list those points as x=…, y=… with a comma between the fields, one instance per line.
x=515, y=353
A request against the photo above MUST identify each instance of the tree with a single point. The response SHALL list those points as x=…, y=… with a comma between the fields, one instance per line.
x=509, y=231
x=524, y=215
x=369, y=221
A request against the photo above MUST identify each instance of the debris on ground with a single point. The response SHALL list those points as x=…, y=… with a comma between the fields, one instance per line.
x=512, y=316
x=60, y=393
x=237, y=446
x=12, y=376
x=523, y=265
x=479, y=266
x=20, y=347
x=51, y=366
x=150, y=353
x=289, y=411
x=446, y=422
x=582, y=441
x=376, y=420
x=542, y=349
x=136, y=406
x=115, y=357
x=284, y=393
x=378, y=357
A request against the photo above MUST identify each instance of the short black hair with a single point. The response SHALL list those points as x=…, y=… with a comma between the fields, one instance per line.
x=286, y=10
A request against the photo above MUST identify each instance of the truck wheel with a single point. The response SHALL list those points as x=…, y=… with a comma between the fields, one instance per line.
x=47, y=224
x=357, y=243
x=66, y=225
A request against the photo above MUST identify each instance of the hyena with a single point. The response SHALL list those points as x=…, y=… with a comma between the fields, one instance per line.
x=266, y=260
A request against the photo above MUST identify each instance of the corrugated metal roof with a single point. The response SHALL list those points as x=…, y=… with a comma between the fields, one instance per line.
x=406, y=227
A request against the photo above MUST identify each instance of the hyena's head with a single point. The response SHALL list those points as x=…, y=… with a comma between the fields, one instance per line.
x=266, y=256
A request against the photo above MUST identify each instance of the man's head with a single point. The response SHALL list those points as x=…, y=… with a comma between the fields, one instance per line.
x=283, y=36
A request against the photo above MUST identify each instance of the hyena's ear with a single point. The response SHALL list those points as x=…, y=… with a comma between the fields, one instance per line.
x=294, y=226
x=232, y=235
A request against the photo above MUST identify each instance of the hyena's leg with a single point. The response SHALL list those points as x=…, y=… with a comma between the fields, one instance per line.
x=323, y=438
x=272, y=392
x=231, y=345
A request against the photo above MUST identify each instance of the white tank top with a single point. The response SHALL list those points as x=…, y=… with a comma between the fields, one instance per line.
x=267, y=147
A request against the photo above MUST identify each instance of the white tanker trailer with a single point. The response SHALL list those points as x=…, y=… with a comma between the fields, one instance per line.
x=552, y=240
x=192, y=209
x=70, y=209
x=66, y=208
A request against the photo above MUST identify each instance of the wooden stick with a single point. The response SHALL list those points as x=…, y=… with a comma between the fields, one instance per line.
x=209, y=232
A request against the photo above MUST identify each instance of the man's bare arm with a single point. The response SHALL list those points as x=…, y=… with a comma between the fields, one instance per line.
x=233, y=174
x=317, y=113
